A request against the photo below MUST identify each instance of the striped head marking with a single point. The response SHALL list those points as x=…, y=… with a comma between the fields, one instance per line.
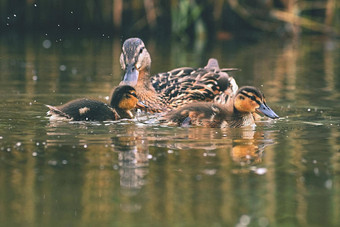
x=124, y=97
x=250, y=99
x=133, y=59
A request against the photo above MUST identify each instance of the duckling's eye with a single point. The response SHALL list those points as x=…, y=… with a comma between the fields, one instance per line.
x=253, y=98
x=241, y=97
x=141, y=50
x=133, y=94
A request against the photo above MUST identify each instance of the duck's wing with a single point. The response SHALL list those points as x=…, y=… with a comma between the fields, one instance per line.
x=162, y=81
x=185, y=85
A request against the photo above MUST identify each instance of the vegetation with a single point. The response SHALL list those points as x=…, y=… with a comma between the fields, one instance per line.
x=181, y=18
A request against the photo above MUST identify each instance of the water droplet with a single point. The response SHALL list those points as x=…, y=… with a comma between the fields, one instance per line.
x=260, y=171
x=263, y=221
x=149, y=156
x=52, y=162
x=308, y=109
x=1, y=137
x=18, y=144
x=34, y=154
x=35, y=5
x=47, y=43
x=62, y=67
x=64, y=162
x=170, y=151
x=85, y=146
x=245, y=220
x=35, y=78
x=14, y=15
x=329, y=184
x=209, y=172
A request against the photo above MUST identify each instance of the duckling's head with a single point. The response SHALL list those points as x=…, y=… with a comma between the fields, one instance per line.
x=124, y=98
x=250, y=99
x=135, y=60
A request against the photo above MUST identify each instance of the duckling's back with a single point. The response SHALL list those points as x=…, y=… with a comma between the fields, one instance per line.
x=84, y=110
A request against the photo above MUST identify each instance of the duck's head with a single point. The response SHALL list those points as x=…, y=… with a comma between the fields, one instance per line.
x=135, y=61
x=250, y=99
x=124, y=98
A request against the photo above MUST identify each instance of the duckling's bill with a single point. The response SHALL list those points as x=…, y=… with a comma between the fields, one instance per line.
x=264, y=109
x=141, y=105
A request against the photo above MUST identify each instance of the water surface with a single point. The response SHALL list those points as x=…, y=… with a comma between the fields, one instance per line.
x=139, y=173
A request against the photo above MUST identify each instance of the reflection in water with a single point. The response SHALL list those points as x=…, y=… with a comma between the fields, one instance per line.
x=129, y=144
x=131, y=172
x=133, y=160
x=245, y=145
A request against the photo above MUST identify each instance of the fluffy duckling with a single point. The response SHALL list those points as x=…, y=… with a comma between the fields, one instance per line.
x=235, y=113
x=123, y=100
x=170, y=90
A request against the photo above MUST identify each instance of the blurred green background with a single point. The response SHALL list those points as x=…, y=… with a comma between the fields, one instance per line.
x=182, y=19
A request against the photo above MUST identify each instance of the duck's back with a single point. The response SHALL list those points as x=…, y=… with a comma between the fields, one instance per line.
x=185, y=85
x=198, y=114
x=85, y=110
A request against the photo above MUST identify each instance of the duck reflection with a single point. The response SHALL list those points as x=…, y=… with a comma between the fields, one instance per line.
x=133, y=160
x=248, y=146
x=245, y=145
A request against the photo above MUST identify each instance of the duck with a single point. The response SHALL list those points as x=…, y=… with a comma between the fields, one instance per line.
x=123, y=100
x=238, y=111
x=170, y=90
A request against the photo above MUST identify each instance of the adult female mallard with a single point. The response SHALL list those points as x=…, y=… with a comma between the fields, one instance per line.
x=170, y=90
x=237, y=112
x=123, y=100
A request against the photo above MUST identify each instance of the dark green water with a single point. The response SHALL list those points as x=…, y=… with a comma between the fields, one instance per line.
x=137, y=173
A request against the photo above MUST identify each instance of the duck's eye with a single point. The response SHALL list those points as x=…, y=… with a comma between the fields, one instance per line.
x=141, y=50
x=241, y=97
x=253, y=98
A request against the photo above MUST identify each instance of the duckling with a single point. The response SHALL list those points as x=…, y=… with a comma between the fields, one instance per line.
x=235, y=113
x=123, y=100
x=170, y=90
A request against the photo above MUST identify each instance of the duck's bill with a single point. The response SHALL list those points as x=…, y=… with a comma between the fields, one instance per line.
x=130, y=77
x=141, y=105
x=264, y=109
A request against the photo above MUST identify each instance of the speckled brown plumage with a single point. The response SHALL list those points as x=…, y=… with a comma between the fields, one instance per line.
x=236, y=112
x=170, y=90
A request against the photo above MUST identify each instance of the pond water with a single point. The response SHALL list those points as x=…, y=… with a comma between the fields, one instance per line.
x=138, y=173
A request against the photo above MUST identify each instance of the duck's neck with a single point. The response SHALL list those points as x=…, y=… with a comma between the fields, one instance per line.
x=143, y=79
x=147, y=93
x=241, y=119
